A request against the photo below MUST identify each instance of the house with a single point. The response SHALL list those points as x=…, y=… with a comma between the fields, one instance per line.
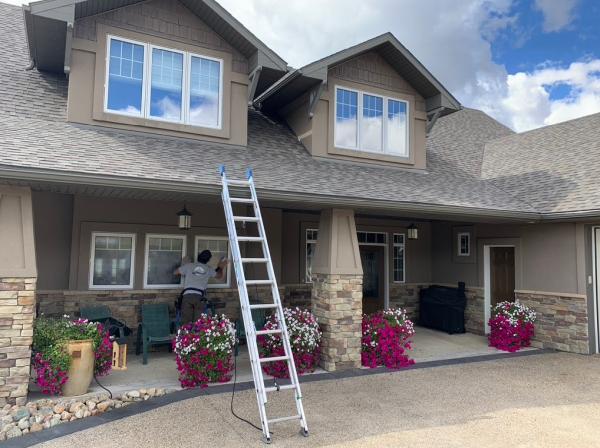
x=374, y=180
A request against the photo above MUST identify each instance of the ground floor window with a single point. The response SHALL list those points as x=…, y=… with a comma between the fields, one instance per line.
x=163, y=256
x=111, y=260
x=311, y=244
x=398, y=256
x=219, y=246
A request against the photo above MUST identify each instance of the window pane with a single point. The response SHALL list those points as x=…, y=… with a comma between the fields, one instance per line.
x=398, y=263
x=205, y=80
x=166, y=84
x=164, y=256
x=371, y=124
x=310, y=252
x=346, y=118
x=219, y=249
x=125, y=78
x=396, y=128
x=112, y=261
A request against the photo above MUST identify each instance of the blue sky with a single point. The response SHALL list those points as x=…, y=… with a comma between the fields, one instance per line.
x=528, y=63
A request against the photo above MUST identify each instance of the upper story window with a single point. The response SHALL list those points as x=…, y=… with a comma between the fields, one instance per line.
x=368, y=122
x=148, y=81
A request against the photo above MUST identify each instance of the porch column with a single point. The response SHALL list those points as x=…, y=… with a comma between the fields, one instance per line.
x=337, y=289
x=17, y=293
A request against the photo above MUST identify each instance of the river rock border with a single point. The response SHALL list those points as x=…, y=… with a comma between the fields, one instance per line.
x=18, y=420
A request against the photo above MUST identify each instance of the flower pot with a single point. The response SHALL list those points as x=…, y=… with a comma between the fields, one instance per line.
x=82, y=367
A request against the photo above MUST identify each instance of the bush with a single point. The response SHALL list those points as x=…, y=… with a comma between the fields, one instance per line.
x=51, y=361
x=305, y=340
x=386, y=339
x=511, y=326
x=203, y=351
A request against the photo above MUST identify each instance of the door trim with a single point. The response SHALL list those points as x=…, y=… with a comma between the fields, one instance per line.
x=487, y=285
x=595, y=286
x=386, y=268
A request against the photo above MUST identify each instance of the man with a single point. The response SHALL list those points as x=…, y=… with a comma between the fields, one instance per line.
x=195, y=281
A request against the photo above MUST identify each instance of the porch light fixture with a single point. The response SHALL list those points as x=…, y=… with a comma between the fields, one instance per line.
x=412, y=232
x=185, y=219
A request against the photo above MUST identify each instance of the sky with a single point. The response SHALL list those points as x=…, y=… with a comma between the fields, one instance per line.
x=527, y=63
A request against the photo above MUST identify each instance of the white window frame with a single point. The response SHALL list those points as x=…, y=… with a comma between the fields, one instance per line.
x=93, y=256
x=147, y=253
x=147, y=83
x=459, y=245
x=306, y=243
x=384, y=139
x=227, y=284
x=403, y=245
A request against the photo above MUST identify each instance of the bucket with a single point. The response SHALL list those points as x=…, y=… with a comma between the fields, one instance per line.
x=82, y=367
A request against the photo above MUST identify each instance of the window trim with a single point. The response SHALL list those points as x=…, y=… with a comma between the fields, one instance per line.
x=227, y=284
x=403, y=245
x=384, y=139
x=458, y=245
x=93, y=256
x=147, y=84
x=306, y=242
x=147, y=253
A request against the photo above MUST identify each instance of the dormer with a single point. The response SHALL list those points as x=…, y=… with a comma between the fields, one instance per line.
x=184, y=68
x=369, y=103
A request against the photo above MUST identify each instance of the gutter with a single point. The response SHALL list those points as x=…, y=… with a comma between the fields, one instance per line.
x=43, y=175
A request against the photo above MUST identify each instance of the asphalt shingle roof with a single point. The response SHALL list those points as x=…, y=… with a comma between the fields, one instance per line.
x=35, y=135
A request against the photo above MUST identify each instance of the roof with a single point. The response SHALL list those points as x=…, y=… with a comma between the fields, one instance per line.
x=404, y=62
x=554, y=168
x=50, y=24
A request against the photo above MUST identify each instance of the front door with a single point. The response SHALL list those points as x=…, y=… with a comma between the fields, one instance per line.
x=372, y=258
x=502, y=273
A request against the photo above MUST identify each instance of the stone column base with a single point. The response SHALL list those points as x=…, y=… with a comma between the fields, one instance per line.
x=17, y=304
x=337, y=305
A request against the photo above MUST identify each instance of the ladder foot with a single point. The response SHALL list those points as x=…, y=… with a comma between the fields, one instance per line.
x=304, y=432
x=266, y=440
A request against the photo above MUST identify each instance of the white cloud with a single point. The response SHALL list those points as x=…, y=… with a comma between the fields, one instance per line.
x=558, y=14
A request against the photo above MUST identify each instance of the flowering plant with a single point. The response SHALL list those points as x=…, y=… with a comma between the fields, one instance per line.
x=203, y=351
x=305, y=340
x=51, y=361
x=386, y=339
x=511, y=326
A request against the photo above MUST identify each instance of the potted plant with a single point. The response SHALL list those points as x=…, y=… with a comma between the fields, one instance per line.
x=511, y=326
x=203, y=351
x=67, y=353
x=305, y=340
x=386, y=339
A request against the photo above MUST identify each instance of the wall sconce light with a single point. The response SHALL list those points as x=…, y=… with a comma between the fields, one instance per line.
x=412, y=232
x=185, y=219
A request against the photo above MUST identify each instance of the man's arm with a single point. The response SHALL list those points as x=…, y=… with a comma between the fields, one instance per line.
x=185, y=260
x=221, y=267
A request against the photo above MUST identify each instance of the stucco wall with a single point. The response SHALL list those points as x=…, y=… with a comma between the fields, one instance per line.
x=548, y=255
x=168, y=24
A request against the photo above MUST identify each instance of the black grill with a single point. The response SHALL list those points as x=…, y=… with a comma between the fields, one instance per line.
x=443, y=308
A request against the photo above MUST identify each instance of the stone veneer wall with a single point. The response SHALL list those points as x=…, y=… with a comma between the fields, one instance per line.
x=406, y=295
x=475, y=311
x=562, y=320
x=125, y=305
x=17, y=304
x=337, y=304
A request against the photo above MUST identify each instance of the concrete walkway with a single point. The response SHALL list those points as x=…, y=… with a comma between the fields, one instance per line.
x=541, y=400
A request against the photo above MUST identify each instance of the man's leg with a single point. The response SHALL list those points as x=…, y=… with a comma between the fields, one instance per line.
x=187, y=308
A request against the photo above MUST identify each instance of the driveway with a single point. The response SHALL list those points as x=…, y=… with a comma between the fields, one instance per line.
x=541, y=400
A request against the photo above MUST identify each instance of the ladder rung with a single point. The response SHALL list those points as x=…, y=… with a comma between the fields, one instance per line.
x=254, y=260
x=284, y=387
x=246, y=218
x=244, y=200
x=238, y=182
x=261, y=332
x=284, y=419
x=250, y=238
x=274, y=358
x=263, y=305
x=259, y=282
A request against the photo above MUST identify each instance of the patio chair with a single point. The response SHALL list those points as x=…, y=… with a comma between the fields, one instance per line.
x=102, y=314
x=155, y=327
x=259, y=316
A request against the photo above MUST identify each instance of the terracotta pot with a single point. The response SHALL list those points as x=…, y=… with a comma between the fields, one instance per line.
x=82, y=367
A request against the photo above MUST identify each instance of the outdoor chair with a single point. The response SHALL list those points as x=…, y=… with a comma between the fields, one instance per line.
x=102, y=314
x=155, y=328
x=259, y=316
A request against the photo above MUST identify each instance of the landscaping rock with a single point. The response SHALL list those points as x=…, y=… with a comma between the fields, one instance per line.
x=13, y=432
x=104, y=405
x=46, y=411
x=59, y=409
x=134, y=394
x=20, y=413
x=79, y=413
x=91, y=405
x=55, y=421
x=65, y=415
x=35, y=427
x=23, y=423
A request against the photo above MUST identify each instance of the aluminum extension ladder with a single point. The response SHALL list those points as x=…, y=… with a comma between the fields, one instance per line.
x=247, y=307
